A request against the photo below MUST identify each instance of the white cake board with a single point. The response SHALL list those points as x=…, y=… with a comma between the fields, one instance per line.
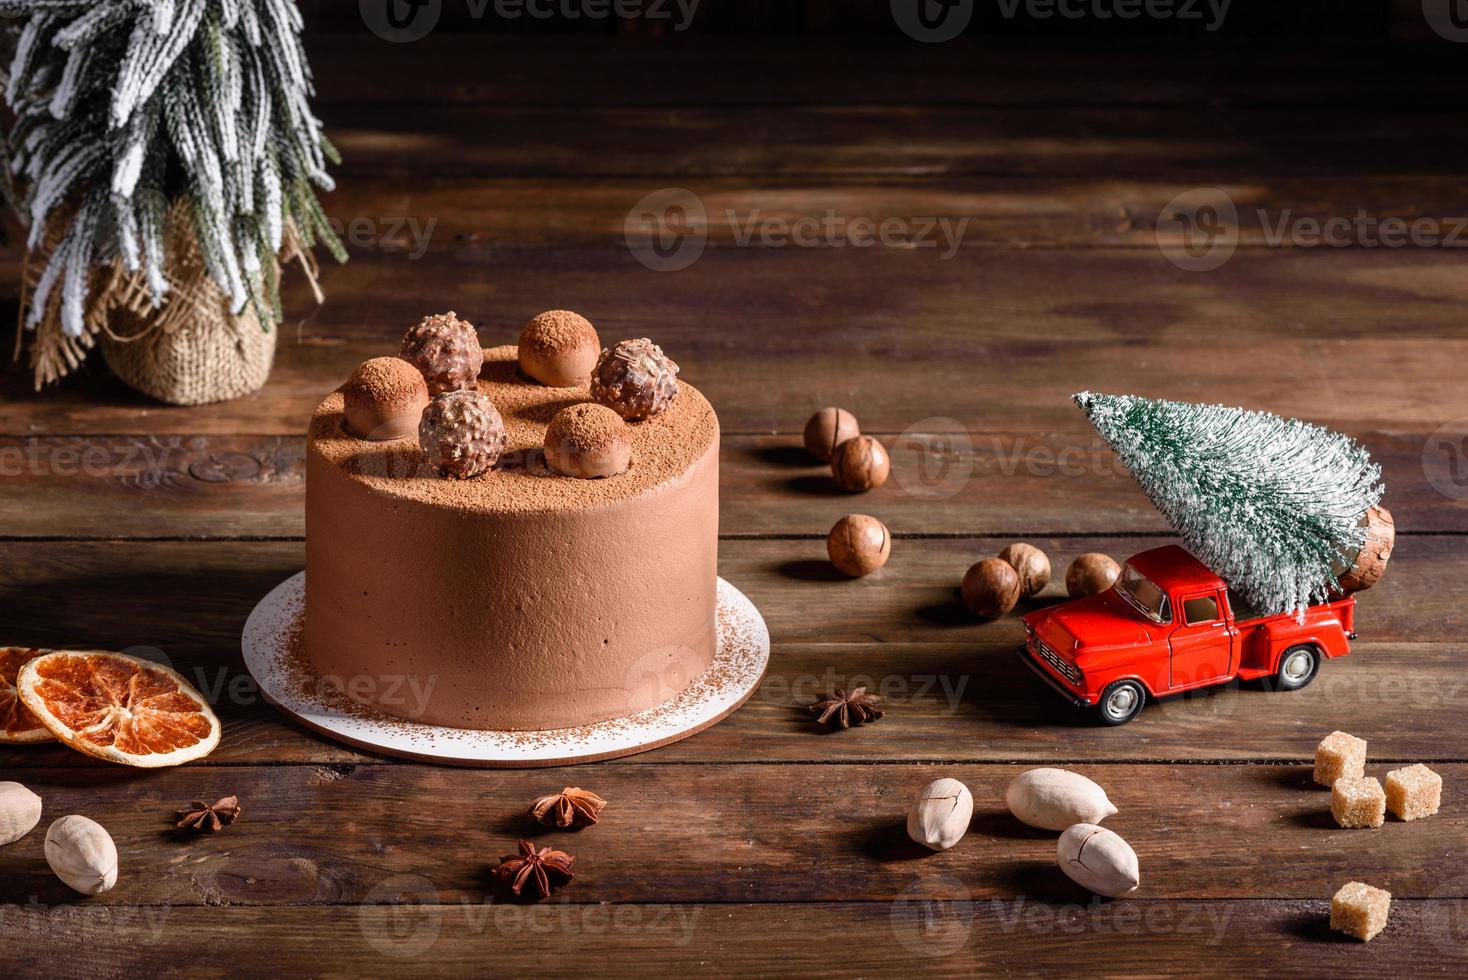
x=737, y=668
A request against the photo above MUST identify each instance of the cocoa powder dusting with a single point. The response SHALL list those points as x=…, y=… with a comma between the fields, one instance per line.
x=664, y=448
x=386, y=380
x=556, y=332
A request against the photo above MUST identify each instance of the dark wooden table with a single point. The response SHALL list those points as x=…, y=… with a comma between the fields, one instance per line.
x=762, y=845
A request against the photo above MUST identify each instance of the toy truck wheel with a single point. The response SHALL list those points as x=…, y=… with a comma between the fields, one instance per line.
x=1120, y=702
x=1297, y=667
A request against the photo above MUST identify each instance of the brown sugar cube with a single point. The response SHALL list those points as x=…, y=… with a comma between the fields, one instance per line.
x=1358, y=803
x=1339, y=756
x=1360, y=910
x=1413, y=792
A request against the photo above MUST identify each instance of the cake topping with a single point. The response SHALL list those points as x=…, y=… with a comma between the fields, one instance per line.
x=559, y=348
x=446, y=349
x=635, y=379
x=384, y=398
x=462, y=434
x=588, y=441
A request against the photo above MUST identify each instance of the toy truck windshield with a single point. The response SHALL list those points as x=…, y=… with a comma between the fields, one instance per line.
x=1144, y=595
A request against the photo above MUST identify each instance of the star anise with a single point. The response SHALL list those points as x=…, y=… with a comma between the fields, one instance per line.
x=846, y=710
x=535, y=870
x=571, y=807
x=210, y=816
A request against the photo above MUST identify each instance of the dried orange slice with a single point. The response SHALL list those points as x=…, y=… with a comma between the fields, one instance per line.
x=119, y=708
x=17, y=724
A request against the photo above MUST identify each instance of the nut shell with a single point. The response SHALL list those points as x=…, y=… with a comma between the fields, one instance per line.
x=941, y=814
x=859, y=544
x=384, y=399
x=1376, y=551
x=559, y=348
x=461, y=434
x=588, y=441
x=1089, y=574
x=446, y=350
x=860, y=464
x=635, y=379
x=1031, y=563
x=1098, y=859
x=1054, y=799
x=20, y=811
x=827, y=429
x=82, y=854
x=990, y=588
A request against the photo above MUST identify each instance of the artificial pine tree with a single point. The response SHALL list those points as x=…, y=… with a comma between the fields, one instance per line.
x=159, y=148
x=1275, y=507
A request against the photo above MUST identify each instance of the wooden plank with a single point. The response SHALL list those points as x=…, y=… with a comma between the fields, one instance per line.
x=764, y=833
x=442, y=140
x=1020, y=936
x=408, y=220
x=954, y=686
x=995, y=212
x=942, y=483
x=899, y=336
x=713, y=71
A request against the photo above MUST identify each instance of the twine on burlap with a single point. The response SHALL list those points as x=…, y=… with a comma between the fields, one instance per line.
x=191, y=350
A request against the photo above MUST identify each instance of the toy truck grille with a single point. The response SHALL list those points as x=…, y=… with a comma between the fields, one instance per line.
x=1066, y=669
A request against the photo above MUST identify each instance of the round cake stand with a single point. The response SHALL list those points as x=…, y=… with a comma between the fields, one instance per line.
x=737, y=668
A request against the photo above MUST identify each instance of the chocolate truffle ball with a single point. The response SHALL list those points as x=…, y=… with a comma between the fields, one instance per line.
x=827, y=429
x=446, y=349
x=384, y=399
x=990, y=588
x=859, y=545
x=860, y=464
x=1032, y=565
x=635, y=379
x=462, y=434
x=559, y=348
x=1089, y=574
x=588, y=441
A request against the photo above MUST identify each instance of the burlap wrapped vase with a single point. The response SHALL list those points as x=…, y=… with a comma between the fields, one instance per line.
x=207, y=358
x=188, y=350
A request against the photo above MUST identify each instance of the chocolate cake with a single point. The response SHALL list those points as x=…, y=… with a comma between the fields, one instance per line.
x=520, y=599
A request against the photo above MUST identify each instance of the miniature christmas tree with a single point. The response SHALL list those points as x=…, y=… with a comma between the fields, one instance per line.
x=145, y=129
x=1276, y=507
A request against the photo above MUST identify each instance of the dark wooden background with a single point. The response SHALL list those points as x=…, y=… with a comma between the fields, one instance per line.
x=763, y=846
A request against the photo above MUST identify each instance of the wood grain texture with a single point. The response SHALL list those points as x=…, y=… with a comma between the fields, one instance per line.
x=1037, y=72
x=813, y=832
x=1019, y=936
x=494, y=175
x=997, y=340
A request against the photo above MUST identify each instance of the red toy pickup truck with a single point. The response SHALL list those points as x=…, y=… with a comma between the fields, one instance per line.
x=1170, y=625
